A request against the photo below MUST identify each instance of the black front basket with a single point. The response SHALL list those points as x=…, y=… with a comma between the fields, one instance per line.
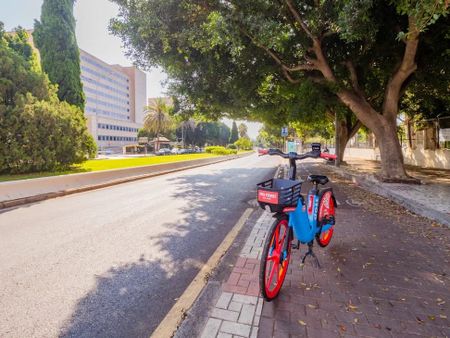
x=278, y=194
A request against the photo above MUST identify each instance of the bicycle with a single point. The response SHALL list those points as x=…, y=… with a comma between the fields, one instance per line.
x=306, y=221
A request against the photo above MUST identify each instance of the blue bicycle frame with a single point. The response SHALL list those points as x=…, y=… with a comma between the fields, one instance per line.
x=304, y=219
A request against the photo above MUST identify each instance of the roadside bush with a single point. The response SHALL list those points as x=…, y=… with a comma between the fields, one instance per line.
x=218, y=150
x=231, y=146
x=43, y=136
x=38, y=132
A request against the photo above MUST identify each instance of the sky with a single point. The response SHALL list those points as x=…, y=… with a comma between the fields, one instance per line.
x=92, y=18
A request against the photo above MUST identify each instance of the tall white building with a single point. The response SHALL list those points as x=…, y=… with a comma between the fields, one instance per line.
x=115, y=101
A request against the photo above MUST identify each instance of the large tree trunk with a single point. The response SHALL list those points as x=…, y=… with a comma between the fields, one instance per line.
x=385, y=131
x=392, y=166
x=346, y=130
x=343, y=140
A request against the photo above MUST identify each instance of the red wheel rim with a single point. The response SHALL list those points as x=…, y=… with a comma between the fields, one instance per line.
x=277, y=259
x=326, y=209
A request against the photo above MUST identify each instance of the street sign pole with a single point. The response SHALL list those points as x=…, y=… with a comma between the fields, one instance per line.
x=284, y=134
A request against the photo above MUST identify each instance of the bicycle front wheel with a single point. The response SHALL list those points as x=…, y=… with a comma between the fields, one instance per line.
x=275, y=259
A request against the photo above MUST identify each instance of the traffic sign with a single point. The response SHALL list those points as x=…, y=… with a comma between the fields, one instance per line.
x=284, y=131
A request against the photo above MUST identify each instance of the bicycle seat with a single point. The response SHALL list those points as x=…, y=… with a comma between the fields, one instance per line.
x=318, y=179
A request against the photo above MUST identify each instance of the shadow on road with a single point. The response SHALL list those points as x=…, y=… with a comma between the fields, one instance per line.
x=131, y=300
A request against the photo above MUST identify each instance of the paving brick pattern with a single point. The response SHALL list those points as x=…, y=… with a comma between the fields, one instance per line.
x=238, y=309
x=385, y=274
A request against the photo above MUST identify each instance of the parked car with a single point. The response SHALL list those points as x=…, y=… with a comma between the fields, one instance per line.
x=163, y=151
x=262, y=151
x=174, y=151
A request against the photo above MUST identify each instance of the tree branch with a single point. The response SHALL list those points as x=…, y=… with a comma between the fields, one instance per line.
x=284, y=68
x=407, y=67
x=321, y=62
x=298, y=18
x=354, y=129
x=353, y=76
x=289, y=77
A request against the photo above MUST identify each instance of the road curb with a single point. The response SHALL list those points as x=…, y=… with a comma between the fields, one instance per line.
x=371, y=184
x=41, y=197
x=173, y=319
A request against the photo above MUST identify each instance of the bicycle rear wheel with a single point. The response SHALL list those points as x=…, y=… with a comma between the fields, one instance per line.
x=326, y=209
x=275, y=259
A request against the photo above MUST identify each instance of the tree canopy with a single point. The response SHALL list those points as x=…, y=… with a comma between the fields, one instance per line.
x=223, y=56
x=54, y=36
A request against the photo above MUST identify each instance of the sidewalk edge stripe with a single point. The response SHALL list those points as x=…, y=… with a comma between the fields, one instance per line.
x=172, y=320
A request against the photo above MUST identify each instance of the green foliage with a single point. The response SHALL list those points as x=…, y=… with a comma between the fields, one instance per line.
x=232, y=146
x=38, y=132
x=214, y=57
x=258, y=60
x=234, y=133
x=157, y=119
x=269, y=136
x=54, y=36
x=219, y=150
x=18, y=75
x=216, y=133
x=43, y=136
x=244, y=143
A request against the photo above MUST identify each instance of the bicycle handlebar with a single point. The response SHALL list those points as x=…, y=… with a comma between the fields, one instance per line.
x=295, y=156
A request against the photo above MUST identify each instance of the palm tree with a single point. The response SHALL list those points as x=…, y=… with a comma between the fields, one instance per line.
x=157, y=119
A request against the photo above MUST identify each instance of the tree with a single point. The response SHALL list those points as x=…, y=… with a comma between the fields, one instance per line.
x=269, y=136
x=311, y=106
x=38, y=132
x=363, y=52
x=17, y=74
x=54, y=36
x=234, y=133
x=244, y=143
x=186, y=126
x=157, y=119
x=242, y=130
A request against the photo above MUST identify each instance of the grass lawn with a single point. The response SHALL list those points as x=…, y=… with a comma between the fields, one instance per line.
x=105, y=164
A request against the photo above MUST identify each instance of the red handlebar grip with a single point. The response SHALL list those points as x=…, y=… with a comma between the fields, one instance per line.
x=328, y=156
x=263, y=151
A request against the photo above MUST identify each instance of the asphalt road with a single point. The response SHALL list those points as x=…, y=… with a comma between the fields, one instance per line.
x=112, y=262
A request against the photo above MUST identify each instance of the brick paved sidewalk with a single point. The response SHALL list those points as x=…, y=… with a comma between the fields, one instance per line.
x=385, y=274
x=237, y=312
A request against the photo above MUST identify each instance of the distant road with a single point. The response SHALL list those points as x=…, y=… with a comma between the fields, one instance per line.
x=112, y=262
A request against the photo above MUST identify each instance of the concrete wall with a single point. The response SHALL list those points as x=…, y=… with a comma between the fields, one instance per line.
x=439, y=158
x=364, y=153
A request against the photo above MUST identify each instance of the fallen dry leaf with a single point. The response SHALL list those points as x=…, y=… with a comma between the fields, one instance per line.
x=301, y=322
